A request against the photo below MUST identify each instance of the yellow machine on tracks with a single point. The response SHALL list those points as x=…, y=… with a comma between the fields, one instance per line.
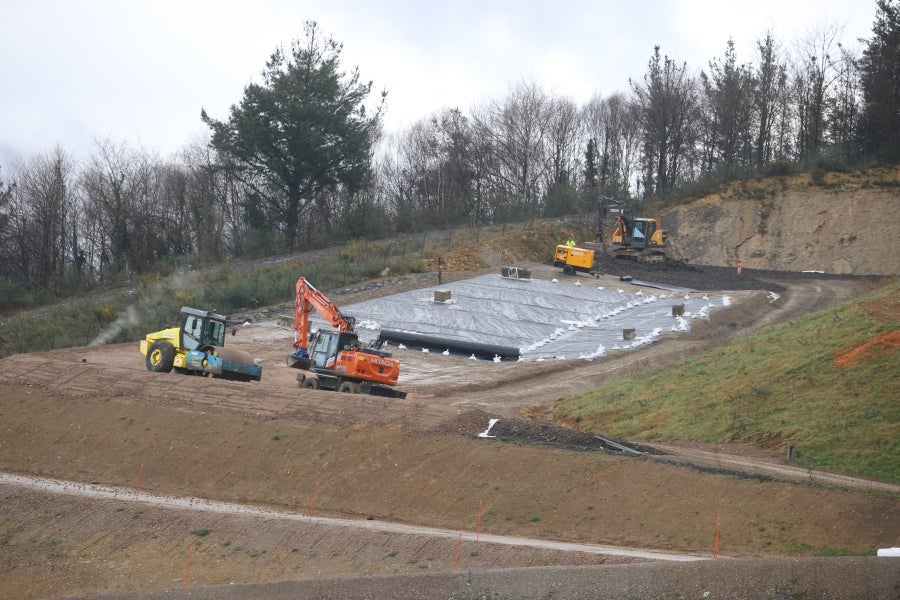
x=637, y=238
x=197, y=347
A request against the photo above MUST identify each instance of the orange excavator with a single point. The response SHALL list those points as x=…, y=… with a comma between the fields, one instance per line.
x=336, y=360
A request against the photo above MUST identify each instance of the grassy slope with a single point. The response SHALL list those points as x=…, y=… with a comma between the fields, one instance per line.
x=775, y=388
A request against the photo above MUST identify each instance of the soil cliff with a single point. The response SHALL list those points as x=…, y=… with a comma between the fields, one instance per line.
x=836, y=223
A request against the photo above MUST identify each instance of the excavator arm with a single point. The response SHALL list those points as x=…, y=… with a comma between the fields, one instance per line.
x=306, y=299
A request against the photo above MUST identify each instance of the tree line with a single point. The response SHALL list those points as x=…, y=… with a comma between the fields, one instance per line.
x=302, y=160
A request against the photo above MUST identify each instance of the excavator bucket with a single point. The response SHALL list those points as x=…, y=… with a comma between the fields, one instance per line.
x=296, y=361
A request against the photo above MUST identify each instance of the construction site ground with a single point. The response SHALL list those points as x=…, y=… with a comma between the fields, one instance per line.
x=117, y=480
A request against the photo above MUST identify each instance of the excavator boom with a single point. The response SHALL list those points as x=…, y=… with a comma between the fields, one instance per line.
x=307, y=298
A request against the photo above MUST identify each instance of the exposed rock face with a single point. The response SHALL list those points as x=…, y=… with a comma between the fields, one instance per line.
x=843, y=223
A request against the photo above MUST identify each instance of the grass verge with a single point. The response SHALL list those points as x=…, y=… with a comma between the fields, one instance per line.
x=776, y=388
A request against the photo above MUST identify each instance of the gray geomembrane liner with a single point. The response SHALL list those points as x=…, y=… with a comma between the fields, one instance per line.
x=544, y=319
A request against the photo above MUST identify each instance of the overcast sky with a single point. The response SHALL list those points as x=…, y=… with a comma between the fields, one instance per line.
x=76, y=71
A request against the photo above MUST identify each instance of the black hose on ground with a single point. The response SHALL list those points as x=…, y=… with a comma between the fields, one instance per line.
x=482, y=351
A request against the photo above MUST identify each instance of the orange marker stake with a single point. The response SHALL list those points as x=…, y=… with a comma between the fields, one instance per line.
x=716, y=543
x=187, y=570
x=137, y=489
x=478, y=528
x=312, y=506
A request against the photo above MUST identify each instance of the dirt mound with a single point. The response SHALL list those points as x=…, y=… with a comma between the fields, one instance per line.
x=478, y=423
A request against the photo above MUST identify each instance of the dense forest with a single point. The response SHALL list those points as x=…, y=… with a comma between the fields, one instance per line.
x=302, y=161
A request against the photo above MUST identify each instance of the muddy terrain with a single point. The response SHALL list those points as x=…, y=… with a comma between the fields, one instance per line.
x=116, y=479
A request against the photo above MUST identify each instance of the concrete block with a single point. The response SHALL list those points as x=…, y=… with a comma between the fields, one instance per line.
x=628, y=333
x=678, y=310
x=442, y=295
x=515, y=273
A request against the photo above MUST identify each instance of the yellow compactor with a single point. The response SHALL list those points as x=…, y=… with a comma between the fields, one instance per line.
x=197, y=347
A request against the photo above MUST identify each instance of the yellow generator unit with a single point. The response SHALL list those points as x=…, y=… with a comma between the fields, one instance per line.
x=572, y=260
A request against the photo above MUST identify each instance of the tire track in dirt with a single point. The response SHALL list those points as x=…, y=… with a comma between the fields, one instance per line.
x=100, y=492
x=88, y=371
x=688, y=456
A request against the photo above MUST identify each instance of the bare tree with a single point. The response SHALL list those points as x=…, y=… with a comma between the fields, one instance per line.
x=7, y=248
x=770, y=89
x=42, y=236
x=564, y=133
x=728, y=94
x=128, y=222
x=517, y=129
x=411, y=174
x=814, y=73
x=391, y=184
x=211, y=213
x=458, y=149
x=668, y=108
x=484, y=163
x=844, y=103
x=430, y=177
x=563, y=156
x=880, y=81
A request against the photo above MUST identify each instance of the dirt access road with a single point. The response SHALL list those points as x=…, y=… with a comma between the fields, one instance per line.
x=450, y=503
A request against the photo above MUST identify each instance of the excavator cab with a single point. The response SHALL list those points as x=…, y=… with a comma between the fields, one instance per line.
x=323, y=349
x=638, y=233
x=647, y=233
x=325, y=345
x=639, y=238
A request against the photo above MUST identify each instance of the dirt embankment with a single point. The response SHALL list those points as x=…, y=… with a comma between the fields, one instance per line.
x=95, y=416
x=842, y=224
x=410, y=481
